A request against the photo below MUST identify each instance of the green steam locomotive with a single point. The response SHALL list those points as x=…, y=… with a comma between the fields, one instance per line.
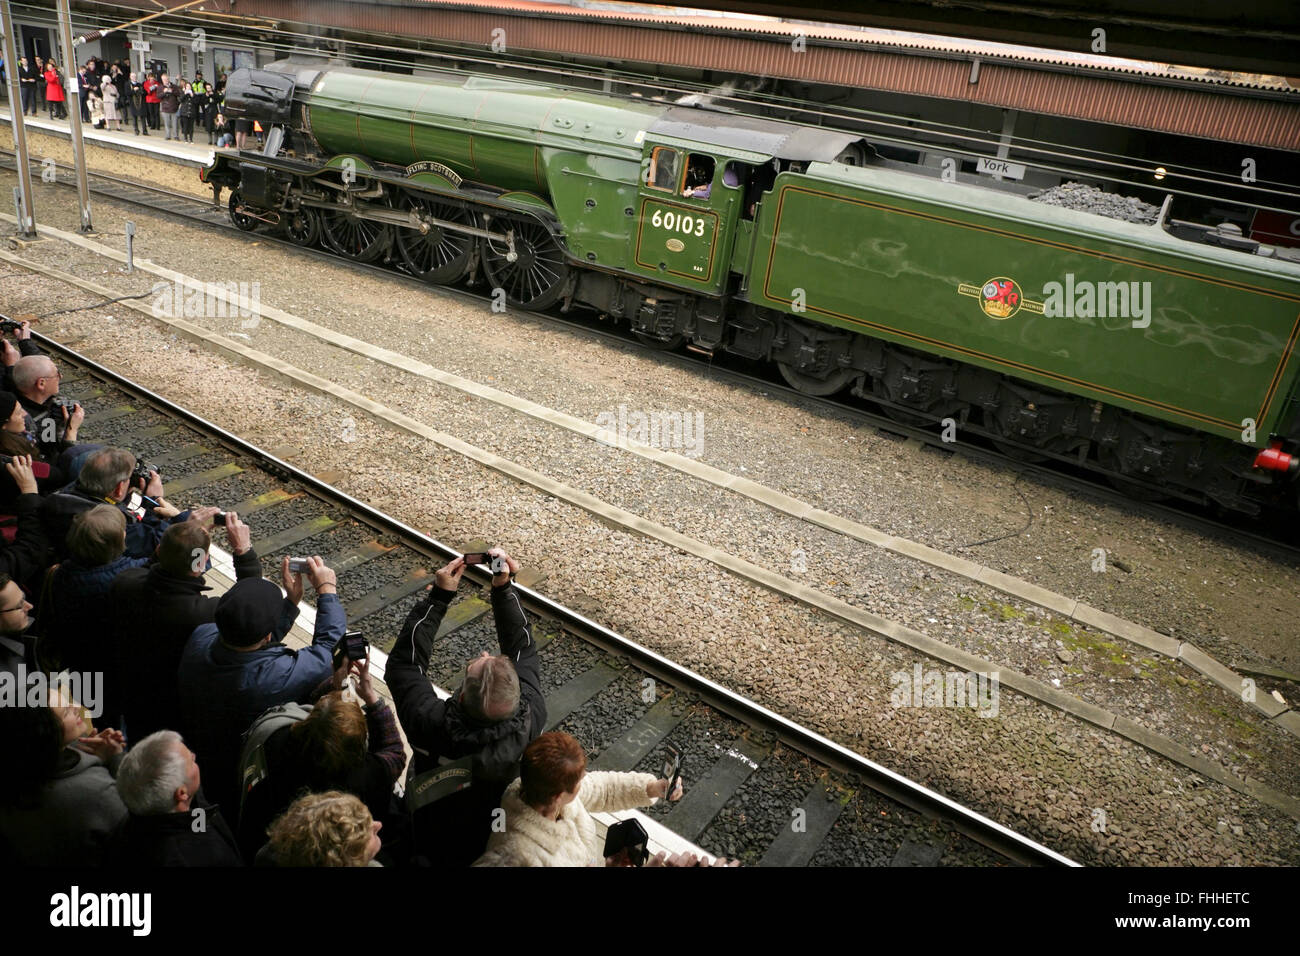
x=1161, y=355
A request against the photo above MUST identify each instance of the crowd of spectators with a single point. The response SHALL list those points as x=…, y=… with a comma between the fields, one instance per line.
x=111, y=96
x=200, y=738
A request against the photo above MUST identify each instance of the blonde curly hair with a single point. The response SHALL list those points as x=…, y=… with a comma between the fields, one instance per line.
x=322, y=829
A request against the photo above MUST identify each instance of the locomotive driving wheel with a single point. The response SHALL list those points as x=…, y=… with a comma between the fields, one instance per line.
x=362, y=240
x=533, y=273
x=440, y=256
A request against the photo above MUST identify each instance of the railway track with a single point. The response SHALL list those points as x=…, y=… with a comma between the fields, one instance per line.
x=1280, y=539
x=762, y=787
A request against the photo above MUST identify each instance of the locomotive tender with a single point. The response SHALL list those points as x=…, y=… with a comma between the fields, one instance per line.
x=1163, y=355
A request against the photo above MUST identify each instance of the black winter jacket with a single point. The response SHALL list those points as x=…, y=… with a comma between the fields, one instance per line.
x=454, y=830
x=152, y=614
x=26, y=558
x=142, y=534
x=174, y=839
x=72, y=608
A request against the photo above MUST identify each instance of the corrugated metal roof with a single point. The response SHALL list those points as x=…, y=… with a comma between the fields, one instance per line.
x=878, y=38
x=1128, y=93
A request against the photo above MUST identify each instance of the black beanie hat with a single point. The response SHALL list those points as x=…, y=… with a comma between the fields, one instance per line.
x=7, y=402
x=248, y=611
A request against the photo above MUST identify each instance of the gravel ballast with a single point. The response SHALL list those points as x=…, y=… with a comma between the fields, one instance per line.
x=761, y=644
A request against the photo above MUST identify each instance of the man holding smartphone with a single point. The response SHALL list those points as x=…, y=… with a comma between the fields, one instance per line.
x=486, y=724
x=236, y=667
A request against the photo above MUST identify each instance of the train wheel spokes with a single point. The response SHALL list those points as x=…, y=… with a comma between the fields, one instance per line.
x=302, y=226
x=240, y=219
x=809, y=384
x=362, y=240
x=440, y=256
x=538, y=274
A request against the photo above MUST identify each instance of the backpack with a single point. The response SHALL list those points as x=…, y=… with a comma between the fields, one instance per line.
x=450, y=776
x=252, y=752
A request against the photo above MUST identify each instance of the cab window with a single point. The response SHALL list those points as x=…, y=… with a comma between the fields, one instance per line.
x=664, y=169
x=698, y=181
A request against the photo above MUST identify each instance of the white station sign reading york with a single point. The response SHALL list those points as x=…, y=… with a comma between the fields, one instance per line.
x=1000, y=167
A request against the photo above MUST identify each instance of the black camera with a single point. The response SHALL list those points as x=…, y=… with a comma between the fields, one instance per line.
x=141, y=471
x=58, y=401
x=626, y=844
x=9, y=325
x=354, y=646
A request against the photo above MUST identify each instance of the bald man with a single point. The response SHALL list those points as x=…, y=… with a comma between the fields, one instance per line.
x=53, y=428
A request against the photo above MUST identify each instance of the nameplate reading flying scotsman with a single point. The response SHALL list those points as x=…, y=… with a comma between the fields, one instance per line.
x=431, y=167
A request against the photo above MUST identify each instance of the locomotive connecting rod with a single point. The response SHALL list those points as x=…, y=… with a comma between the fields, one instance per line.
x=411, y=220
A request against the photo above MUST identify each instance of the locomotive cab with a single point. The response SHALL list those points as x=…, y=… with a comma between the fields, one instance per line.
x=686, y=213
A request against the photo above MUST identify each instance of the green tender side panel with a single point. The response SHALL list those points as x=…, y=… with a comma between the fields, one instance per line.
x=968, y=273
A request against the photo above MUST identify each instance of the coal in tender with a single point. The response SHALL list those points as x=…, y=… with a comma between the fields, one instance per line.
x=1085, y=198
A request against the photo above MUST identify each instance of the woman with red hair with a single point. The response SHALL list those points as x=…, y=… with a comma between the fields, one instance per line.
x=548, y=809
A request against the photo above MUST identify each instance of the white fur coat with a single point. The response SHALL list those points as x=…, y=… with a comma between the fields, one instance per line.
x=530, y=839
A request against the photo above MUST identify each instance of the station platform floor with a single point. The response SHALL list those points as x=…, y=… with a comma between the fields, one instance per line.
x=198, y=153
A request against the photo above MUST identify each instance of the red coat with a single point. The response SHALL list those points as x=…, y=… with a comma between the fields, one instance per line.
x=151, y=90
x=53, y=88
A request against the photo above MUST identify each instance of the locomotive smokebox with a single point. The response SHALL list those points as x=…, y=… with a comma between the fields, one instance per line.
x=259, y=95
